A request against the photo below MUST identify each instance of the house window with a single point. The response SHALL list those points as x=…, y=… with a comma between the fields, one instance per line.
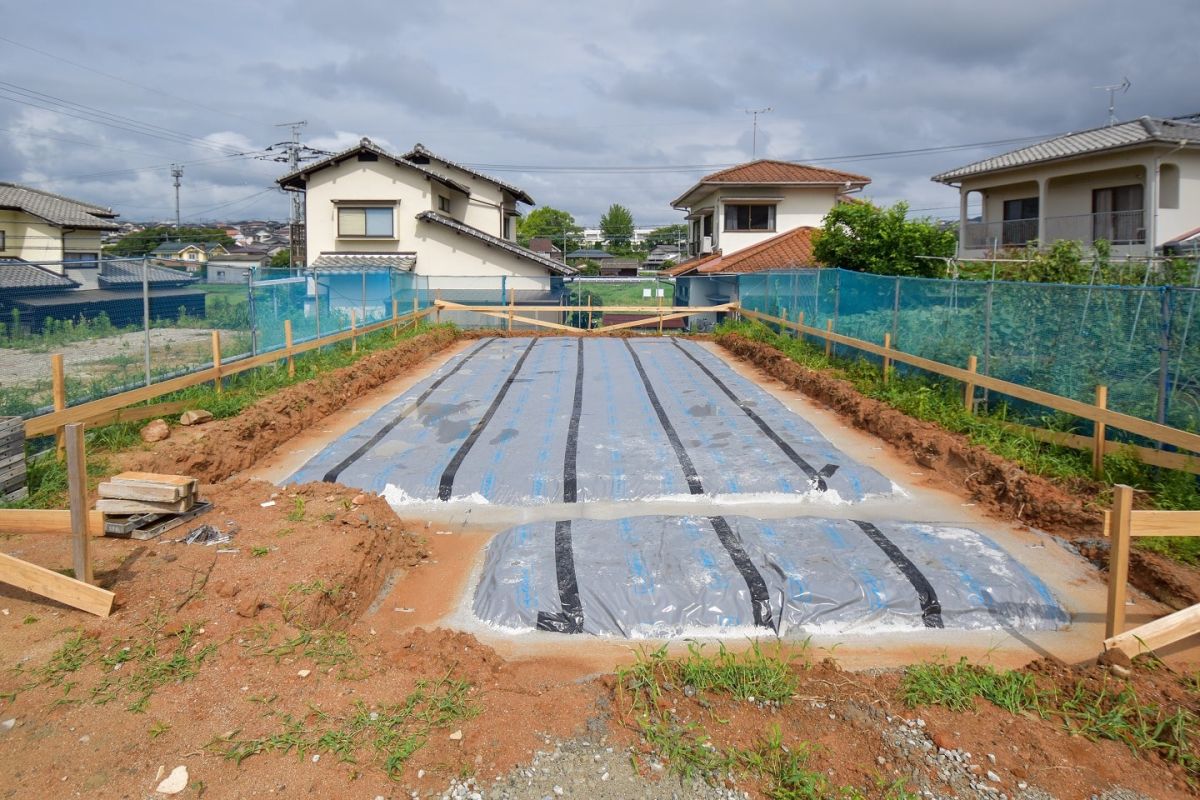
x=220, y=273
x=443, y=203
x=368, y=221
x=78, y=260
x=750, y=218
x=1117, y=214
x=3, y=244
x=1020, y=221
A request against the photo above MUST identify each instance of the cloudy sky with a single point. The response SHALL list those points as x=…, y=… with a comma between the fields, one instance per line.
x=581, y=104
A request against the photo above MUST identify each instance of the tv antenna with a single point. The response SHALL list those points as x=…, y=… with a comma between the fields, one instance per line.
x=1113, y=90
x=754, y=138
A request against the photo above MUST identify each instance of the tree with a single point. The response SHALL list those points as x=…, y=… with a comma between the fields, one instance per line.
x=617, y=226
x=282, y=259
x=867, y=238
x=551, y=223
x=667, y=234
x=142, y=242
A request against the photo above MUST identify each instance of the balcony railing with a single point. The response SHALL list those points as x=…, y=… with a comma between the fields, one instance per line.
x=1117, y=227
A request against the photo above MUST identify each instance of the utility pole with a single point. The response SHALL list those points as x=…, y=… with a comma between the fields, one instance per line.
x=177, y=174
x=755, y=112
x=296, y=219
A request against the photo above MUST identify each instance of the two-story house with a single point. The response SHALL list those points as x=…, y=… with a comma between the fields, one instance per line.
x=368, y=209
x=50, y=229
x=1134, y=184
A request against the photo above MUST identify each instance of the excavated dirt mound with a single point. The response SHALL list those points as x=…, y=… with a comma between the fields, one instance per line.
x=1003, y=488
x=226, y=447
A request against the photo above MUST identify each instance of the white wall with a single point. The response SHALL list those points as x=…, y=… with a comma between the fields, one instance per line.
x=1173, y=222
x=444, y=253
x=484, y=209
x=799, y=207
x=32, y=239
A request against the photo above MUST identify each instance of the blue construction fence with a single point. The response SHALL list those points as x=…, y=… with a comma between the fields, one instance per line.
x=1143, y=343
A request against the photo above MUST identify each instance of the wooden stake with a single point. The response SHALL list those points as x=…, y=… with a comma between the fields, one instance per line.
x=395, y=318
x=49, y=583
x=512, y=302
x=437, y=299
x=58, y=382
x=589, y=312
x=887, y=361
x=828, y=341
x=783, y=328
x=353, y=332
x=969, y=391
x=216, y=353
x=81, y=542
x=1118, y=559
x=287, y=340
x=1099, y=434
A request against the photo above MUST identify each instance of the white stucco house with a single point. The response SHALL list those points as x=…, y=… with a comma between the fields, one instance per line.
x=1134, y=184
x=41, y=226
x=420, y=213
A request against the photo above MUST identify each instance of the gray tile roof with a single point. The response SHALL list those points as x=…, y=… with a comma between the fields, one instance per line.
x=170, y=248
x=1145, y=130
x=293, y=178
x=358, y=261
x=55, y=208
x=126, y=274
x=19, y=275
x=556, y=267
x=421, y=151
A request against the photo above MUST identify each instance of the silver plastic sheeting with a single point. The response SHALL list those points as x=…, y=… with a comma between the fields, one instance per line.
x=528, y=421
x=667, y=576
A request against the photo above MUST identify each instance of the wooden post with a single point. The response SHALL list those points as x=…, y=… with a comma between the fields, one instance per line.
x=1118, y=559
x=887, y=361
x=783, y=329
x=1099, y=434
x=969, y=391
x=828, y=341
x=58, y=383
x=800, y=320
x=287, y=341
x=395, y=318
x=216, y=354
x=353, y=332
x=589, y=327
x=81, y=541
x=659, y=298
x=437, y=299
x=512, y=301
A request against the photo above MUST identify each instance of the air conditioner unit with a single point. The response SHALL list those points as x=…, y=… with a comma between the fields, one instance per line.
x=706, y=244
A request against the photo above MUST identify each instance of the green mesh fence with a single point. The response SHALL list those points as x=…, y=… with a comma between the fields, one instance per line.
x=1143, y=343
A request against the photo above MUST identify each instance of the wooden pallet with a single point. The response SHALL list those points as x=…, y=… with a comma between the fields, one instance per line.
x=13, y=477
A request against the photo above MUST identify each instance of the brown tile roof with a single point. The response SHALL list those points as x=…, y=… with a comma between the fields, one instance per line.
x=785, y=251
x=766, y=170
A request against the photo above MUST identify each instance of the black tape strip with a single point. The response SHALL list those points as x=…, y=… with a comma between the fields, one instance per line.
x=816, y=476
x=332, y=475
x=931, y=608
x=571, y=459
x=570, y=619
x=689, y=469
x=446, y=486
x=759, y=599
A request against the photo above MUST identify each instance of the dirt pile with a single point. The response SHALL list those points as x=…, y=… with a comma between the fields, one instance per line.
x=231, y=445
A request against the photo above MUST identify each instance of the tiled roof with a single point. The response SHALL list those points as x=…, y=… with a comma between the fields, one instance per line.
x=769, y=172
x=1145, y=130
x=368, y=260
x=56, y=209
x=557, y=267
x=170, y=248
x=17, y=274
x=366, y=145
x=124, y=274
x=421, y=151
x=785, y=251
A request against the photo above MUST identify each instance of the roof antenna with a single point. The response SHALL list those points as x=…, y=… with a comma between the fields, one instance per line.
x=754, y=140
x=1112, y=90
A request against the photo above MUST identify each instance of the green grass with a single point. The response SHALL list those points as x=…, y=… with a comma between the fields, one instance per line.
x=329, y=650
x=149, y=667
x=957, y=686
x=623, y=294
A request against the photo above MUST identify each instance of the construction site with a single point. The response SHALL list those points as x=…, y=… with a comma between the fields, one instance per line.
x=420, y=559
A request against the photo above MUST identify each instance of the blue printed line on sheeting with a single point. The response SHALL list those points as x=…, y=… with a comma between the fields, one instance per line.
x=865, y=578
x=643, y=578
x=977, y=592
x=796, y=589
x=539, y=473
x=655, y=431
x=717, y=577
x=618, y=481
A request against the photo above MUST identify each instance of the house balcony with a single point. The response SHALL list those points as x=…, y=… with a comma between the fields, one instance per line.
x=1115, y=227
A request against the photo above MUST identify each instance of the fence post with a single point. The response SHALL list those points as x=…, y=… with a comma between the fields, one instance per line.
x=783, y=329
x=1118, y=559
x=416, y=309
x=146, y=314
x=287, y=341
x=512, y=301
x=353, y=332
x=969, y=390
x=216, y=354
x=1098, y=434
x=896, y=310
x=887, y=360
x=437, y=299
x=987, y=334
x=395, y=317
x=58, y=384
x=81, y=540
x=828, y=341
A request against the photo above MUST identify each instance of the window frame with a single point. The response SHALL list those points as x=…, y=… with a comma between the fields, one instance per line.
x=3, y=240
x=443, y=203
x=771, y=222
x=364, y=208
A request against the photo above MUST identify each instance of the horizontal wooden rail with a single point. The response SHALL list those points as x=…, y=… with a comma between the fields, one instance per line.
x=1184, y=462
x=655, y=318
x=1115, y=419
x=1159, y=633
x=50, y=423
x=448, y=305
x=38, y=521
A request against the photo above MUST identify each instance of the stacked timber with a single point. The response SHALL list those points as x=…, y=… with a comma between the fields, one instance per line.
x=12, y=458
x=134, y=493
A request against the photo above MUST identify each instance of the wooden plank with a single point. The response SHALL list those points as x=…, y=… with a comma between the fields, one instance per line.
x=636, y=322
x=185, y=481
x=287, y=343
x=1165, y=523
x=969, y=389
x=59, y=393
x=1118, y=560
x=140, y=490
x=39, y=521
x=1099, y=435
x=1147, y=455
x=651, y=311
x=81, y=543
x=1159, y=633
x=137, y=413
x=216, y=359
x=529, y=320
x=142, y=506
x=48, y=583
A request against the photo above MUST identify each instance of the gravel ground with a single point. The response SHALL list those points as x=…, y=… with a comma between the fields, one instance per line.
x=19, y=367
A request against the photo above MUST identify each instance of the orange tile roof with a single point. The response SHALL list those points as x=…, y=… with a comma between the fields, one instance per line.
x=785, y=251
x=766, y=170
